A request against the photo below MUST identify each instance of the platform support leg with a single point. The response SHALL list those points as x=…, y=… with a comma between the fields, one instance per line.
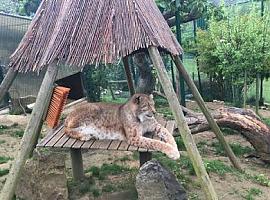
x=77, y=164
x=189, y=142
x=144, y=157
x=30, y=133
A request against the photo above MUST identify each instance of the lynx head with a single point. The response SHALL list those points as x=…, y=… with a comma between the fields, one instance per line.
x=143, y=106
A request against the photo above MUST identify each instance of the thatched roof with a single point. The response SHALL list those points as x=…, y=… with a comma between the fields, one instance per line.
x=79, y=32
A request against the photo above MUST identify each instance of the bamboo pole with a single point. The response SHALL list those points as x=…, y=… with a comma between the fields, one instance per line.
x=182, y=125
x=6, y=83
x=129, y=76
x=30, y=133
x=210, y=119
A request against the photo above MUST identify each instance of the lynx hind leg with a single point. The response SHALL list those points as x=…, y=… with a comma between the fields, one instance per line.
x=148, y=143
x=77, y=135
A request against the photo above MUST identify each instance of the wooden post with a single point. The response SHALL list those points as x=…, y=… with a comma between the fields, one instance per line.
x=129, y=76
x=30, y=133
x=144, y=157
x=77, y=164
x=6, y=83
x=210, y=119
x=182, y=125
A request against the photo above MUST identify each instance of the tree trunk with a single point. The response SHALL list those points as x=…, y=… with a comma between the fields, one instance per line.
x=257, y=92
x=246, y=122
x=245, y=90
x=146, y=83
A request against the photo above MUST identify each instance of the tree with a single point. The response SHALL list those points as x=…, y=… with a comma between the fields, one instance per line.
x=236, y=44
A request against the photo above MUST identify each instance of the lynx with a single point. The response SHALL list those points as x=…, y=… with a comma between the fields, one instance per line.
x=128, y=121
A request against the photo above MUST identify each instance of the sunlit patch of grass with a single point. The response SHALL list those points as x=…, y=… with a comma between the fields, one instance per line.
x=3, y=172
x=252, y=193
x=237, y=148
x=4, y=159
x=218, y=167
x=107, y=169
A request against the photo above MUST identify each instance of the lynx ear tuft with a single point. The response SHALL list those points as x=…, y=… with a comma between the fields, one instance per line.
x=137, y=99
x=151, y=96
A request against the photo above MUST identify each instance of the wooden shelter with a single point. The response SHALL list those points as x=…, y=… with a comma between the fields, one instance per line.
x=81, y=32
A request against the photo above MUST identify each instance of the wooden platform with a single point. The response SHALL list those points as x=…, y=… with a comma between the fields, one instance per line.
x=58, y=139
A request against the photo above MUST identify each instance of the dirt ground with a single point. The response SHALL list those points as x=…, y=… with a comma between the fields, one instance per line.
x=229, y=186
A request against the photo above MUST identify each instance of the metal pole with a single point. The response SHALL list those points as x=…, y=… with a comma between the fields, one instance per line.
x=179, y=38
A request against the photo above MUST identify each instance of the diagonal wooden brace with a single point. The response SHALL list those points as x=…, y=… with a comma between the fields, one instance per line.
x=182, y=125
x=208, y=116
x=7, y=82
x=30, y=133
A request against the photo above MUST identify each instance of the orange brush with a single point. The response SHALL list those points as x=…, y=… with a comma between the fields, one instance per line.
x=57, y=103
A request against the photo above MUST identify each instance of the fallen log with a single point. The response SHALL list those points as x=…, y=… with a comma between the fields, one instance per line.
x=246, y=122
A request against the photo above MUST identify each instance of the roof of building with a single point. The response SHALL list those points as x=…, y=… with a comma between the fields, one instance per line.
x=90, y=32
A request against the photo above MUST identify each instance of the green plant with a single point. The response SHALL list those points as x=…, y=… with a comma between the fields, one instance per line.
x=3, y=172
x=4, y=159
x=96, y=192
x=180, y=143
x=107, y=169
x=18, y=133
x=2, y=141
x=218, y=167
x=251, y=193
x=237, y=148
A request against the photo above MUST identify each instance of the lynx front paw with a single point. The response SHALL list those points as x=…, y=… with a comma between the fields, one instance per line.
x=173, y=153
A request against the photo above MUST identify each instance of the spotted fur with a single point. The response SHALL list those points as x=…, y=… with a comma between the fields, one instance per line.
x=129, y=121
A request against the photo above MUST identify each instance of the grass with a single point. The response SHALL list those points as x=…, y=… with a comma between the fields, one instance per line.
x=218, y=167
x=4, y=159
x=3, y=172
x=18, y=133
x=2, y=141
x=251, y=193
x=105, y=170
x=85, y=186
x=236, y=147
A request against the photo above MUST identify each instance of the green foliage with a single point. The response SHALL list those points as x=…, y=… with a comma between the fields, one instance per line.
x=4, y=159
x=237, y=148
x=251, y=193
x=28, y=7
x=3, y=172
x=236, y=42
x=261, y=179
x=2, y=141
x=218, y=167
x=107, y=169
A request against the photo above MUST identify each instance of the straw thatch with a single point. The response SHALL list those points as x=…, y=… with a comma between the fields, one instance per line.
x=79, y=32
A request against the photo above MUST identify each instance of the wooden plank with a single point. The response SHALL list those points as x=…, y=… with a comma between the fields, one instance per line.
x=132, y=148
x=142, y=149
x=55, y=139
x=97, y=144
x=88, y=144
x=77, y=144
x=69, y=143
x=123, y=146
x=62, y=141
x=49, y=136
x=104, y=144
x=170, y=126
x=114, y=145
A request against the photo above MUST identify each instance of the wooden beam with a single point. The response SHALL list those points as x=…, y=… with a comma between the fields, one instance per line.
x=129, y=76
x=77, y=164
x=144, y=157
x=208, y=116
x=30, y=133
x=182, y=125
x=6, y=83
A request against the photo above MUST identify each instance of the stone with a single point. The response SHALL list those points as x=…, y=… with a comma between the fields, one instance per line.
x=154, y=182
x=43, y=177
